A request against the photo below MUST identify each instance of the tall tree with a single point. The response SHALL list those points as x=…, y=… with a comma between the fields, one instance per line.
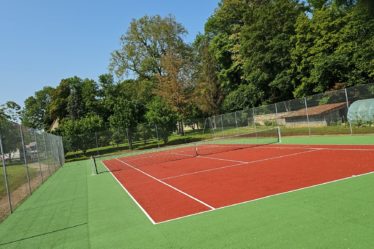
x=175, y=84
x=266, y=47
x=127, y=114
x=36, y=112
x=334, y=48
x=162, y=115
x=75, y=98
x=208, y=94
x=223, y=29
x=143, y=45
x=11, y=111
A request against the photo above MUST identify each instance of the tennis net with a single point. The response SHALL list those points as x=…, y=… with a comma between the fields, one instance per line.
x=203, y=148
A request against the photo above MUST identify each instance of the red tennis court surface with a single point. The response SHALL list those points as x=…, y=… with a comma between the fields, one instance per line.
x=174, y=189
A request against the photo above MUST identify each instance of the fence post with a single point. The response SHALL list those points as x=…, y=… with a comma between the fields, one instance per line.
x=158, y=144
x=5, y=175
x=276, y=114
x=347, y=102
x=222, y=123
x=25, y=158
x=129, y=139
x=46, y=153
x=307, y=115
x=56, y=151
x=253, y=117
x=97, y=144
x=236, y=121
x=37, y=154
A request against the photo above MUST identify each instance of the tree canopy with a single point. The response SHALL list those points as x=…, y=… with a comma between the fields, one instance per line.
x=252, y=52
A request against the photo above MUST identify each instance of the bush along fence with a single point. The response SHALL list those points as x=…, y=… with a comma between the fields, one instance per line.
x=28, y=157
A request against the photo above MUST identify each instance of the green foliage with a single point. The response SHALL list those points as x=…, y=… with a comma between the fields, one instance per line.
x=36, y=112
x=334, y=47
x=224, y=29
x=10, y=136
x=75, y=98
x=243, y=97
x=266, y=47
x=207, y=92
x=127, y=114
x=143, y=45
x=160, y=114
x=78, y=134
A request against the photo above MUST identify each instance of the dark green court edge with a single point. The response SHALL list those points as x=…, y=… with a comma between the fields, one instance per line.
x=75, y=209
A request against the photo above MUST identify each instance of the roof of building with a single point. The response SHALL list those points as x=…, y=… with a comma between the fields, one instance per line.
x=315, y=110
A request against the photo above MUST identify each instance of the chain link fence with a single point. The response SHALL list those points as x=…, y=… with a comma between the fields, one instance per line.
x=320, y=114
x=27, y=157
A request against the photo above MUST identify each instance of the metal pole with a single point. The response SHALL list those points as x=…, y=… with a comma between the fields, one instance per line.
x=5, y=175
x=276, y=113
x=254, y=121
x=24, y=158
x=37, y=154
x=158, y=144
x=94, y=164
x=56, y=151
x=347, y=102
x=97, y=144
x=236, y=121
x=129, y=139
x=279, y=135
x=307, y=115
x=46, y=153
x=222, y=122
x=61, y=150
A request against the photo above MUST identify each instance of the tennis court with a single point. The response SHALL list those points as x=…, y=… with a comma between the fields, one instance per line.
x=172, y=184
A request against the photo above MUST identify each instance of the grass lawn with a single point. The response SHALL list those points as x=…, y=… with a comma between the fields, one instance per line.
x=16, y=177
x=75, y=209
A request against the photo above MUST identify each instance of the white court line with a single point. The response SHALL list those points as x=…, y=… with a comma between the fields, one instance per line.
x=132, y=197
x=166, y=184
x=305, y=147
x=236, y=165
x=266, y=197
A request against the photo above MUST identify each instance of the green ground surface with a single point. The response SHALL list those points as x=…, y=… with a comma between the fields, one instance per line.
x=74, y=209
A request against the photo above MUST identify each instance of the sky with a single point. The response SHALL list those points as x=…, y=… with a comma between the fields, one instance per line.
x=44, y=41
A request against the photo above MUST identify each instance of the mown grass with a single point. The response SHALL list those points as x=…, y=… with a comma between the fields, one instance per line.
x=16, y=175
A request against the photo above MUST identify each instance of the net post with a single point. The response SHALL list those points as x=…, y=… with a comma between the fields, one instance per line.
x=279, y=135
x=95, y=171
